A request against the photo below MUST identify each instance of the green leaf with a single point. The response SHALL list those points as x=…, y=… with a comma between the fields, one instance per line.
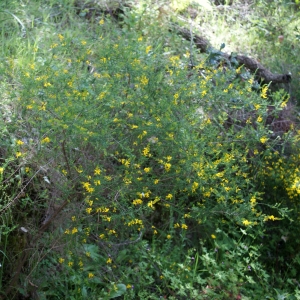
x=119, y=291
x=92, y=251
x=250, y=279
x=84, y=292
x=243, y=231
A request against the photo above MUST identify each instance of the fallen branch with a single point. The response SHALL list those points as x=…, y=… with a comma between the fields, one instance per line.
x=204, y=46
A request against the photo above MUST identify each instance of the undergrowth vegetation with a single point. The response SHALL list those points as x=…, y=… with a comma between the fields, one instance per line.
x=126, y=172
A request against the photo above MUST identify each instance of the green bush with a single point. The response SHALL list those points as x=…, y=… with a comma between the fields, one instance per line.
x=158, y=171
x=153, y=158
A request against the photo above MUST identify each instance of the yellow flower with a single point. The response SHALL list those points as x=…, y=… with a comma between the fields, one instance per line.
x=272, y=218
x=169, y=196
x=1, y=170
x=184, y=226
x=213, y=236
x=74, y=230
x=45, y=140
x=253, y=200
x=79, y=170
x=19, y=142
x=168, y=166
x=246, y=222
x=147, y=170
x=144, y=80
x=174, y=60
x=109, y=261
x=46, y=84
x=87, y=187
x=101, y=22
x=150, y=204
x=137, y=202
x=263, y=139
x=144, y=133
x=195, y=186
x=125, y=162
x=238, y=70
x=168, y=236
x=91, y=275
x=264, y=92
x=97, y=171
x=148, y=49
x=220, y=174
x=146, y=150
x=112, y=231
x=259, y=119
x=18, y=154
x=61, y=260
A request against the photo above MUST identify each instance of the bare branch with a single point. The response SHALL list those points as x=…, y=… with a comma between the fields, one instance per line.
x=251, y=64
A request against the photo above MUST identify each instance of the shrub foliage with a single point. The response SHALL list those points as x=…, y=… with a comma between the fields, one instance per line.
x=169, y=181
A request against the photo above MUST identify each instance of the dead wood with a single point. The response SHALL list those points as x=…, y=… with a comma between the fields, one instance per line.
x=260, y=71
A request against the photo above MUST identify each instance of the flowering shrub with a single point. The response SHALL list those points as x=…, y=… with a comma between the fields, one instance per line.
x=158, y=164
